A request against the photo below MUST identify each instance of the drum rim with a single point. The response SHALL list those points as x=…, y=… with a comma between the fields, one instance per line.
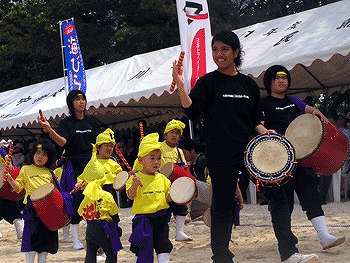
x=319, y=143
x=165, y=166
x=268, y=180
x=45, y=196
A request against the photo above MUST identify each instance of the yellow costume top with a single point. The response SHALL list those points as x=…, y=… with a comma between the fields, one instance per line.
x=31, y=177
x=101, y=209
x=171, y=154
x=112, y=168
x=152, y=196
x=97, y=203
x=58, y=172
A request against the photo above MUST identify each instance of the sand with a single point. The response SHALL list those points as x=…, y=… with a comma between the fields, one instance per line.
x=253, y=241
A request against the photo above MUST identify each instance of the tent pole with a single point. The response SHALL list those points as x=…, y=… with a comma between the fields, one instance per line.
x=63, y=60
x=314, y=77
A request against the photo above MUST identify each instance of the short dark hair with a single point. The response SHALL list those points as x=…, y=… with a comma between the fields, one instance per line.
x=270, y=74
x=189, y=145
x=229, y=38
x=72, y=95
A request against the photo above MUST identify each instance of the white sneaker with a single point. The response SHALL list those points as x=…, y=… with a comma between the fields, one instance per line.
x=77, y=245
x=101, y=257
x=300, y=258
x=334, y=241
x=0, y=235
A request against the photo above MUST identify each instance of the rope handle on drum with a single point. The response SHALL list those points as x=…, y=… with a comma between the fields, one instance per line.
x=8, y=162
x=179, y=64
x=121, y=156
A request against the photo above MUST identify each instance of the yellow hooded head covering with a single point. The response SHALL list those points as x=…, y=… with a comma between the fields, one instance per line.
x=175, y=124
x=105, y=137
x=94, y=174
x=149, y=144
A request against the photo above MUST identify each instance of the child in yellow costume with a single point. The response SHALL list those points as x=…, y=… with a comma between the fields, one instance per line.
x=171, y=153
x=100, y=211
x=105, y=143
x=150, y=191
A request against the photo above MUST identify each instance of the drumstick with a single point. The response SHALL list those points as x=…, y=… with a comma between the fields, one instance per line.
x=75, y=189
x=121, y=156
x=42, y=118
x=142, y=134
x=179, y=64
x=8, y=161
x=41, y=115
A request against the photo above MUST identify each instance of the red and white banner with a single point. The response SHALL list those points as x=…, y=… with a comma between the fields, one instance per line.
x=195, y=36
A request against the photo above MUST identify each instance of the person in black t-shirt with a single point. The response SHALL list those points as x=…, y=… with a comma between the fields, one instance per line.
x=228, y=101
x=279, y=110
x=75, y=134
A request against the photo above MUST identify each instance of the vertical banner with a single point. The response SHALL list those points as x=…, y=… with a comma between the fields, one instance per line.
x=195, y=36
x=73, y=58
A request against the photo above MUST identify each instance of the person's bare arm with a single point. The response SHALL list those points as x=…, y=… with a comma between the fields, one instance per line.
x=316, y=112
x=180, y=83
x=61, y=141
x=132, y=191
x=240, y=197
x=11, y=181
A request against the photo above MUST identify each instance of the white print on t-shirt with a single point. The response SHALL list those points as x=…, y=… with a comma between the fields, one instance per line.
x=235, y=96
x=84, y=131
x=286, y=107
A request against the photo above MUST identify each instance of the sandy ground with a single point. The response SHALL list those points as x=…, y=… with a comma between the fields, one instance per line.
x=253, y=241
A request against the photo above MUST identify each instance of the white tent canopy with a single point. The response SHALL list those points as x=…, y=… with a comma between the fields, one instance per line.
x=314, y=45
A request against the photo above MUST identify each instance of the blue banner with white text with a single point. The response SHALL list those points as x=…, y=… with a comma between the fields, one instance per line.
x=76, y=78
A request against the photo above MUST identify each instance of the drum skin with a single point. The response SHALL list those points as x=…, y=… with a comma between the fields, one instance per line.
x=174, y=171
x=318, y=145
x=49, y=205
x=270, y=160
x=120, y=181
x=6, y=190
x=183, y=190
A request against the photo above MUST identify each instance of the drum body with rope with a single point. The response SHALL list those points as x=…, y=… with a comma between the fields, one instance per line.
x=174, y=171
x=49, y=205
x=183, y=190
x=270, y=160
x=120, y=181
x=204, y=192
x=318, y=145
x=6, y=190
x=202, y=201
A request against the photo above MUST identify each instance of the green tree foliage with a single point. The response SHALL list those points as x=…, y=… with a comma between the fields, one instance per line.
x=27, y=45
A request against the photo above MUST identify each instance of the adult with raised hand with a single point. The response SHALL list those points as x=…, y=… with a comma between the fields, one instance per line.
x=75, y=134
x=228, y=101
